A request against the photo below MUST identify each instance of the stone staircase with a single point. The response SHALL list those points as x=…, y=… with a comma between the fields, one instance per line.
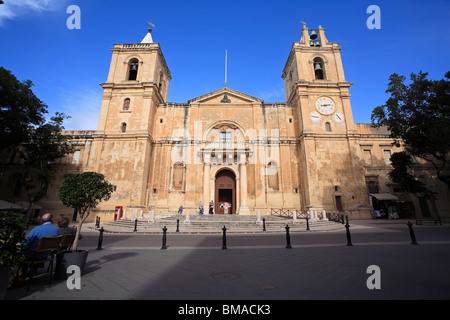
x=215, y=223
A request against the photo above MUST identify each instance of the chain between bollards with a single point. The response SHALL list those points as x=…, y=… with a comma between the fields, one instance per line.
x=347, y=227
x=411, y=233
x=100, y=239
x=164, y=246
x=288, y=238
x=224, y=240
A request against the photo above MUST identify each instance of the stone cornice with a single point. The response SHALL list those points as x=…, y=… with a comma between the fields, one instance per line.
x=124, y=136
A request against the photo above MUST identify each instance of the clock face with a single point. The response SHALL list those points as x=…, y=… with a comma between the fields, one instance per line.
x=325, y=105
x=338, y=117
x=315, y=116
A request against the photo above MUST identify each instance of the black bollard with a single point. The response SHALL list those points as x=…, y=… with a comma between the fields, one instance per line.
x=288, y=238
x=264, y=224
x=135, y=225
x=224, y=244
x=164, y=247
x=100, y=239
x=178, y=225
x=349, y=238
x=411, y=232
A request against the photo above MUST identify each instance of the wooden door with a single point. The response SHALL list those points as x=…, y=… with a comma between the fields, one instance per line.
x=225, y=192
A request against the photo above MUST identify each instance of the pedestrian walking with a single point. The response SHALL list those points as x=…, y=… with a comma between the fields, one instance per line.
x=200, y=208
x=211, y=207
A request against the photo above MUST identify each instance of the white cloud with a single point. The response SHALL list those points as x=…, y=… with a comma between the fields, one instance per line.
x=83, y=106
x=14, y=8
x=273, y=95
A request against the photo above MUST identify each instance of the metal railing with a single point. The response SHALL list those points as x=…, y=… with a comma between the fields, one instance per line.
x=335, y=216
x=288, y=213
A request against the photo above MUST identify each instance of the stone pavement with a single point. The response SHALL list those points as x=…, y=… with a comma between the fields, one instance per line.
x=319, y=266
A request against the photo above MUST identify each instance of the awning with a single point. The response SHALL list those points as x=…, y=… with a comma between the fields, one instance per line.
x=5, y=205
x=384, y=196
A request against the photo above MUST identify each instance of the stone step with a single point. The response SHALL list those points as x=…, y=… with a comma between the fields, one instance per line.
x=215, y=223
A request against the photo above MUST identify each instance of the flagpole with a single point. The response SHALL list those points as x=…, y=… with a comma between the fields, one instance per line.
x=226, y=61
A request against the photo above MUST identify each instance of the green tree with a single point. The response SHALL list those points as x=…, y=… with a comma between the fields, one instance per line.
x=26, y=133
x=418, y=116
x=12, y=240
x=20, y=110
x=84, y=191
x=47, y=143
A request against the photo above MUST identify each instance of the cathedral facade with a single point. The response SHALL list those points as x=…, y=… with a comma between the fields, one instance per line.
x=238, y=151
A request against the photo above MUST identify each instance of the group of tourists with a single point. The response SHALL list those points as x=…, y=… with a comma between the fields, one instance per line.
x=200, y=208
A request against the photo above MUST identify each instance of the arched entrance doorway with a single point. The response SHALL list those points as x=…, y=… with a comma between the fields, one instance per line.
x=225, y=192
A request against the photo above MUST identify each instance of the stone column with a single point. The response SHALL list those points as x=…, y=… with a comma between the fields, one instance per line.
x=206, y=179
x=243, y=180
x=187, y=218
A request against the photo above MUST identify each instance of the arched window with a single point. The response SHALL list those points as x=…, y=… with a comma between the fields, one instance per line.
x=126, y=104
x=123, y=127
x=133, y=66
x=327, y=127
x=319, y=68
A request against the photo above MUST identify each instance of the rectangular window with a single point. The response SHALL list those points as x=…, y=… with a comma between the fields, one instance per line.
x=372, y=184
x=76, y=157
x=387, y=156
x=368, y=156
x=178, y=177
x=373, y=187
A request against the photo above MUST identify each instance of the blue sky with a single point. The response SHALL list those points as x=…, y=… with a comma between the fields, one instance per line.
x=67, y=66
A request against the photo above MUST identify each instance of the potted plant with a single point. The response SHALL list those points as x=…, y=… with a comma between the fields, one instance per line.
x=83, y=191
x=12, y=250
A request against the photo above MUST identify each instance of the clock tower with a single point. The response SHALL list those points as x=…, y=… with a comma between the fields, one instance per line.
x=318, y=93
x=315, y=84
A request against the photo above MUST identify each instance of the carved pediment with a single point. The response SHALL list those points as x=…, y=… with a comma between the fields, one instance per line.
x=225, y=96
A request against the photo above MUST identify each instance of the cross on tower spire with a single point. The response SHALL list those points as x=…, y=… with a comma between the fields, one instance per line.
x=148, y=36
x=150, y=25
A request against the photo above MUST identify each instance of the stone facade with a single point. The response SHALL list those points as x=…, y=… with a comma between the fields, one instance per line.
x=302, y=154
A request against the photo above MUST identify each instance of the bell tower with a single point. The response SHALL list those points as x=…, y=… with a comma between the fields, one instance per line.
x=315, y=84
x=138, y=81
x=330, y=174
x=137, y=84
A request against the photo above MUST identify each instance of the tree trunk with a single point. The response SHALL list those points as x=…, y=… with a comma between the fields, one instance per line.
x=83, y=215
